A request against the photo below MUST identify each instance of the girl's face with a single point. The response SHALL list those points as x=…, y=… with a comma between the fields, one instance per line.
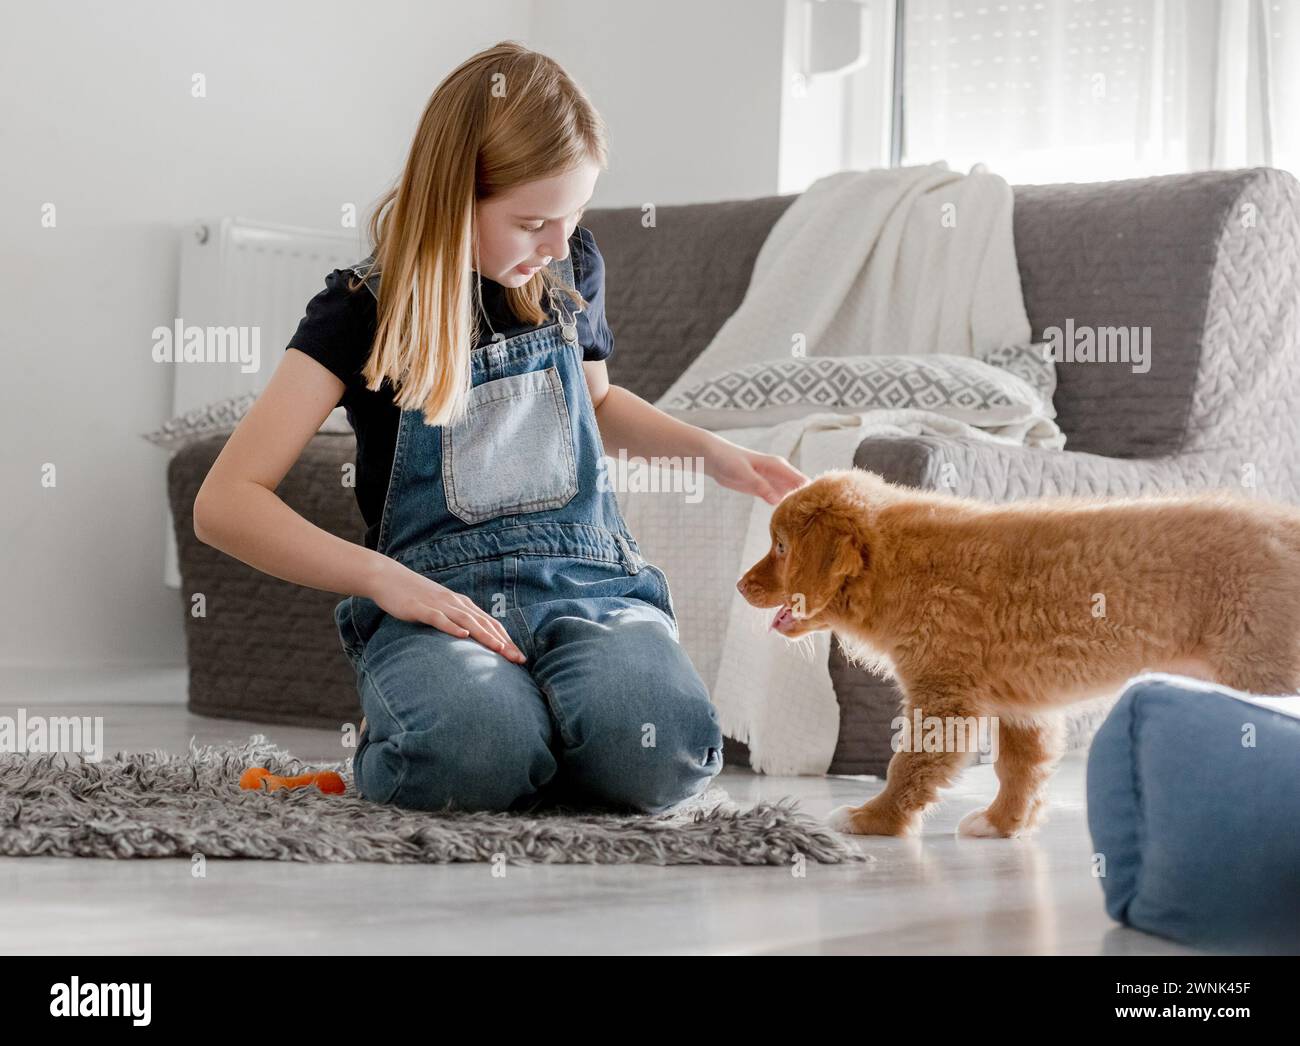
x=523, y=229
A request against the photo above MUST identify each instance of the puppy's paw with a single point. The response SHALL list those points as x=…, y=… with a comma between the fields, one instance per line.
x=841, y=818
x=978, y=825
x=864, y=820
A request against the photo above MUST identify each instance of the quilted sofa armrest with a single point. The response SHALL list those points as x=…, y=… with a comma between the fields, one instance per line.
x=1204, y=268
x=1003, y=472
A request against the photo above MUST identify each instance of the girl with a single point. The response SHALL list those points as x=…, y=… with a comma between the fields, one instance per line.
x=511, y=644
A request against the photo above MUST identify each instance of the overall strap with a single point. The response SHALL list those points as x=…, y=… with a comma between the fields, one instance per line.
x=366, y=270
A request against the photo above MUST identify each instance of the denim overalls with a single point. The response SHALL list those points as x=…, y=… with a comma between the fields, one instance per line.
x=507, y=508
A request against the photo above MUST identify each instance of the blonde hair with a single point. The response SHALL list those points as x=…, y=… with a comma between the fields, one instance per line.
x=505, y=116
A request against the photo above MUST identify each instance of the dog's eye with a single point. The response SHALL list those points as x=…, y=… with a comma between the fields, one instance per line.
x=780, y=548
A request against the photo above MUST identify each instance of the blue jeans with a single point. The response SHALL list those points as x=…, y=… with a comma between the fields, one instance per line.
x=607, y=712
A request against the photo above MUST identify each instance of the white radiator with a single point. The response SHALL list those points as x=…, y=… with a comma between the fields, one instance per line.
x=256, y=277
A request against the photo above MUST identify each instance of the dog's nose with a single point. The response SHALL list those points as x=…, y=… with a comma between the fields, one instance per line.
x=741, y=586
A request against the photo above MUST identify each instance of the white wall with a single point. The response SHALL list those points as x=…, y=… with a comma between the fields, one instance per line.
x=690, y=90
x=308, y=106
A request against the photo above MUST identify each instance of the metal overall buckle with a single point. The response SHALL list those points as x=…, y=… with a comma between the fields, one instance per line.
x=568, y=320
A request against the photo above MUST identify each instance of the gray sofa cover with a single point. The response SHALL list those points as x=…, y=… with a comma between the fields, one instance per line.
x=1208, y=261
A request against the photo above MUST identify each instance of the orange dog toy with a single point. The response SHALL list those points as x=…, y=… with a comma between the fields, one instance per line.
x=259, y=777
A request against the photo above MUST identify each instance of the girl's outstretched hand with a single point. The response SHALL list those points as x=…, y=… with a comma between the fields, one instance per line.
x=410, y=596
x=766, y=476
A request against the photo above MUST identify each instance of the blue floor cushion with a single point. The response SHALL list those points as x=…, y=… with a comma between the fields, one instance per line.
x=1194, y=810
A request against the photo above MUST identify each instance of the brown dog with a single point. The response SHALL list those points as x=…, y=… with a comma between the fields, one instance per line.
x=1011, y=611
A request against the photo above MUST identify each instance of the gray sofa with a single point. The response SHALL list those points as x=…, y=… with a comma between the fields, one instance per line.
x=1208, y=261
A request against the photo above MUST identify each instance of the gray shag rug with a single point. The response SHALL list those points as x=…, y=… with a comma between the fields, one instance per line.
x=157, y=804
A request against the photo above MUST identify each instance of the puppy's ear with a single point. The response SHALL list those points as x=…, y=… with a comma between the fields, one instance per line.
x=821, y=559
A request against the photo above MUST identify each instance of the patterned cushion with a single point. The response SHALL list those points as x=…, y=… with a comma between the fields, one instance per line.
x=1031, y=363
x=1006, y=387
x=222, y=416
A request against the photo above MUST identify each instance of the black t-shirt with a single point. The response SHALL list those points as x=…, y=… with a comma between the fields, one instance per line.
x=339, y=330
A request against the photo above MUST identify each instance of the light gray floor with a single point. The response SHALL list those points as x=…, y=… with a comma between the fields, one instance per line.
x=935, y=894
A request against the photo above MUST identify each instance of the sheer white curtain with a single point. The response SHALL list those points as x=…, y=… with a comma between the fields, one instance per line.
x=1081, y=90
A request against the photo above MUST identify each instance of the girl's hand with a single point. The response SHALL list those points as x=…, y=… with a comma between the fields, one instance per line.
x=413, y=597
x=766, y=476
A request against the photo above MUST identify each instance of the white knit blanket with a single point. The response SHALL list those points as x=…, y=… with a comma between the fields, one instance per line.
x=906, y=260
x=912, y=260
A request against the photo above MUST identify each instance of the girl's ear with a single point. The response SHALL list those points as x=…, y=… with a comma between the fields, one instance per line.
x=821, y=559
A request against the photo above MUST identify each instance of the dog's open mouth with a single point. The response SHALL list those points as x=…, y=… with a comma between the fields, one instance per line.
x=784, y=619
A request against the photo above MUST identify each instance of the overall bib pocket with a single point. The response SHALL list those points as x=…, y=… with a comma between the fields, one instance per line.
x=513, y=451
